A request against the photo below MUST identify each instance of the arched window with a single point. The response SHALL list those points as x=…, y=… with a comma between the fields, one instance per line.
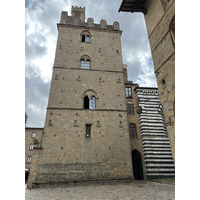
x=133, y=131
x=86, y=102
x=85, y=62
x=90, y=97
x=93, y=103
x=85, y=36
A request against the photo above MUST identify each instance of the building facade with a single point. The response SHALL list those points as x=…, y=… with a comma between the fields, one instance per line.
x=158, y=157
x=30, y=135
x=160, y=22
x=86, y=133
x=94, y=128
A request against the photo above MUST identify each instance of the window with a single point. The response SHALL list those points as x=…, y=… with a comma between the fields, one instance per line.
x=86, y=102
x=29, y=159
x=130, y=109
x=88, y=130
x=89, y=103
x=133, y=131
x=31, y=146
x=82, y=64
x=85, y=62
x=128, y=92
x=92, y=103
x=85, y=36
x=33, y=135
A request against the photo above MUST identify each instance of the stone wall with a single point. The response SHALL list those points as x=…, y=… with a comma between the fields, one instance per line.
x=67, y=154
x=160, y=21
x=29, y=141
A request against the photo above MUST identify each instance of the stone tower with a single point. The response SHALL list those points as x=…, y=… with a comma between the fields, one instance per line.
x=86, y=132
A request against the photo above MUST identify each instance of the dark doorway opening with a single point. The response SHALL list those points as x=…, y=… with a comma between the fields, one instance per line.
x=86, y=102
x=137, y=165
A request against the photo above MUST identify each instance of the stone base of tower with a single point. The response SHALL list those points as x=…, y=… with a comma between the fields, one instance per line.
x=67, y=174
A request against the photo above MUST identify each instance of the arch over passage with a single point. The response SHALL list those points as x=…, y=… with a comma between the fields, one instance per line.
x=137, y=165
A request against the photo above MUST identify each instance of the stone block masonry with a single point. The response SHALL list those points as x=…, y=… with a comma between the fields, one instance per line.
x=85, y=139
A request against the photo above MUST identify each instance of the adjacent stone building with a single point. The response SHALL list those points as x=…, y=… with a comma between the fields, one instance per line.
x=156, y=146
x=160, y=22
x=31, y=134
x=94, y=128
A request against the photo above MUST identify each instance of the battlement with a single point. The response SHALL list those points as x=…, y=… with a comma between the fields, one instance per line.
x=77, y=18
x=77, y=9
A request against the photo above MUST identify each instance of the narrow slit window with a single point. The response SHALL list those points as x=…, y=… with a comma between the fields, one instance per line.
x=88, y=130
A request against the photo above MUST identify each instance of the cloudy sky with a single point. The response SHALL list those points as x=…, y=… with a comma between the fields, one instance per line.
x=41, y=17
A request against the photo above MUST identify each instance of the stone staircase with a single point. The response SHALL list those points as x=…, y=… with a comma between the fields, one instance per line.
x=158, y=157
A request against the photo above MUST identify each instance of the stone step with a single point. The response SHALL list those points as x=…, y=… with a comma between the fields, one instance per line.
x=157, y=149
x=155, y=138
x=155, y=146
x=160, y=165
x=159, y=160
x=160, y=170
x=155, y=142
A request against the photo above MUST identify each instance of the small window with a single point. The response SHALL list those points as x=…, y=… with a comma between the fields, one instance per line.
x=31, y=146
x=33, y=135
x=88, y=130
x=83, y=38
x=82, y=64
x=86, y=102
x=87, y=38
x=130, y=109
x=29, y=159
x=85, y=62
x=92, y=103
x=128, y=92
x=133, y=131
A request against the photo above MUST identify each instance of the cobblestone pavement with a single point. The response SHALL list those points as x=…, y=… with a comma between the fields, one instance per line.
x=138, y=190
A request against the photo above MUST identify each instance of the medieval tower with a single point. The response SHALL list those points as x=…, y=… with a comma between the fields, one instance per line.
x=86, y=133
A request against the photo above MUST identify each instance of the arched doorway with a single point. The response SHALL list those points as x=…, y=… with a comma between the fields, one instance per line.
x=137, y=165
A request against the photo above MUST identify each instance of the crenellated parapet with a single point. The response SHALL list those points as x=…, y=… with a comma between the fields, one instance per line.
x=77, y=18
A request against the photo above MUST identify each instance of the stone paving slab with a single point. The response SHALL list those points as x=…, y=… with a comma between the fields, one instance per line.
x=138, y=190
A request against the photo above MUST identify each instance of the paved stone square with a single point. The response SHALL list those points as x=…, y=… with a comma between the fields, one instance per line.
x=137, y=190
